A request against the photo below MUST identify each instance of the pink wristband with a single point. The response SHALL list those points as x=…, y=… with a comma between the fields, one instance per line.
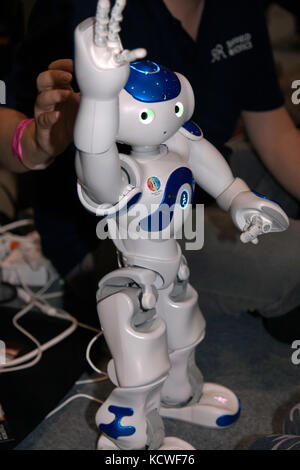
x=16, y=143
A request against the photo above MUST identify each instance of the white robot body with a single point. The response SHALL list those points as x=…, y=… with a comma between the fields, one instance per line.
x=145, y=343
x=167, y=186
x=148, y=311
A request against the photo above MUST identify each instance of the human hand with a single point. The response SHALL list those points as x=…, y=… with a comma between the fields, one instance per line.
x=55, y=112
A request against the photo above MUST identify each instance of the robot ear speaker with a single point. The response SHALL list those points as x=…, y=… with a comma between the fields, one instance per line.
x=189, y=101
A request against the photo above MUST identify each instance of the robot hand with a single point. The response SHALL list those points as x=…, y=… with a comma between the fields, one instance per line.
x=102, y=66
x=257, y=215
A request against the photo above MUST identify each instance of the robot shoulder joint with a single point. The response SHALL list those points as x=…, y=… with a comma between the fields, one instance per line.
x=191, y=131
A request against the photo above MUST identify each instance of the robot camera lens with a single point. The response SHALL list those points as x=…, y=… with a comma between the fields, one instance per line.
x=179, y=109
x=146, y=116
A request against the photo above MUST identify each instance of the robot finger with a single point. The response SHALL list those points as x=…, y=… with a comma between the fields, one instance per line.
x=251, y=234
x=102, y=21
x=115, y=20
x=126, y=56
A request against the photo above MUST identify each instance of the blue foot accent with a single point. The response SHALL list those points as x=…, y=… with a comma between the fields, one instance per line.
x=227, y=420
x=115, y=429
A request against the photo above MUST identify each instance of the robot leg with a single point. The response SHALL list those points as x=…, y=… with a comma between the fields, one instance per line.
x=184, y=395
x=136, y=337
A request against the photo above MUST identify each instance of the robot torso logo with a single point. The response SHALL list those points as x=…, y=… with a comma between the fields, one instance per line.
x=153, y=184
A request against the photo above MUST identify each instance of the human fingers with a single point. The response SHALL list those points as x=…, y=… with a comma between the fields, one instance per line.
x=51, y=79
x=62, y=64
x=47, y=120
x=47, y=100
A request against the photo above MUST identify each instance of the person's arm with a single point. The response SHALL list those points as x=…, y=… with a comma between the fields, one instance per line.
x=9, y=120
x=51, y=131
x=277, y=141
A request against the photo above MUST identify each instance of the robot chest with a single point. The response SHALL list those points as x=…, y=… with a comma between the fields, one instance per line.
x=166, y=197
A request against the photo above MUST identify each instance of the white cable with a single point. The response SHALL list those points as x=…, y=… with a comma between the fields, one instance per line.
x=37, y=353
x=40, y=292
x=87, y=355
x=66, y=402
x=40, y=347
x=17, y=224
x=89, y=327
x=53, y=295
x=30, y=297
x=36, y=299
x=53, y=310
x=89, y=381
x=49, y=310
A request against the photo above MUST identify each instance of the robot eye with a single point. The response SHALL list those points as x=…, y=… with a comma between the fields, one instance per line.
x=179, y=109
x=146, y=116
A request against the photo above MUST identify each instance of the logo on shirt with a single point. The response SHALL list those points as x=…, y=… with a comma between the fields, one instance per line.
x=296, y=354
x=2, y=352
x=296, y=94
x=232, y=47
x=2, y=92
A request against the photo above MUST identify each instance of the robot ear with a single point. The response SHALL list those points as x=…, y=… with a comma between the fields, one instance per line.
x=188, y=94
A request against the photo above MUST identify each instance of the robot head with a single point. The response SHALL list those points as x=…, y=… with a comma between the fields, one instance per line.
x=154, y=104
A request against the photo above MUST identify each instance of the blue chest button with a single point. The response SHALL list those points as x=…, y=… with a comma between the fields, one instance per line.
x=184, y=199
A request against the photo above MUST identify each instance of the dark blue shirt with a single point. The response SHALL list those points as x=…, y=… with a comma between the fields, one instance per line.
x=230, y=66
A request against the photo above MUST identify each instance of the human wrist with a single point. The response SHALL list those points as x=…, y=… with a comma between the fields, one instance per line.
x=27, y=149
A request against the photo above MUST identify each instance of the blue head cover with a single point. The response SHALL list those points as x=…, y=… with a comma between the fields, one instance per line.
x=152, y=83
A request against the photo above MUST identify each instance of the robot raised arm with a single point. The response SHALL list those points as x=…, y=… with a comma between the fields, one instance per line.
x=252, y=213
x=102, y=70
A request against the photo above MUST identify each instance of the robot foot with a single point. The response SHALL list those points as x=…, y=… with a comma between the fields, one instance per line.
x=170, y=443
x=106, y=444
x=218, y=407
x=174, y=443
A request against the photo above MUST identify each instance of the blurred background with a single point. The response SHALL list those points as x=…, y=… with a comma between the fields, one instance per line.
x=283, y=19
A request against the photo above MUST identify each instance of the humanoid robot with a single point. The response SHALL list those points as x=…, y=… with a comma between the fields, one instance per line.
x=147, y=308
